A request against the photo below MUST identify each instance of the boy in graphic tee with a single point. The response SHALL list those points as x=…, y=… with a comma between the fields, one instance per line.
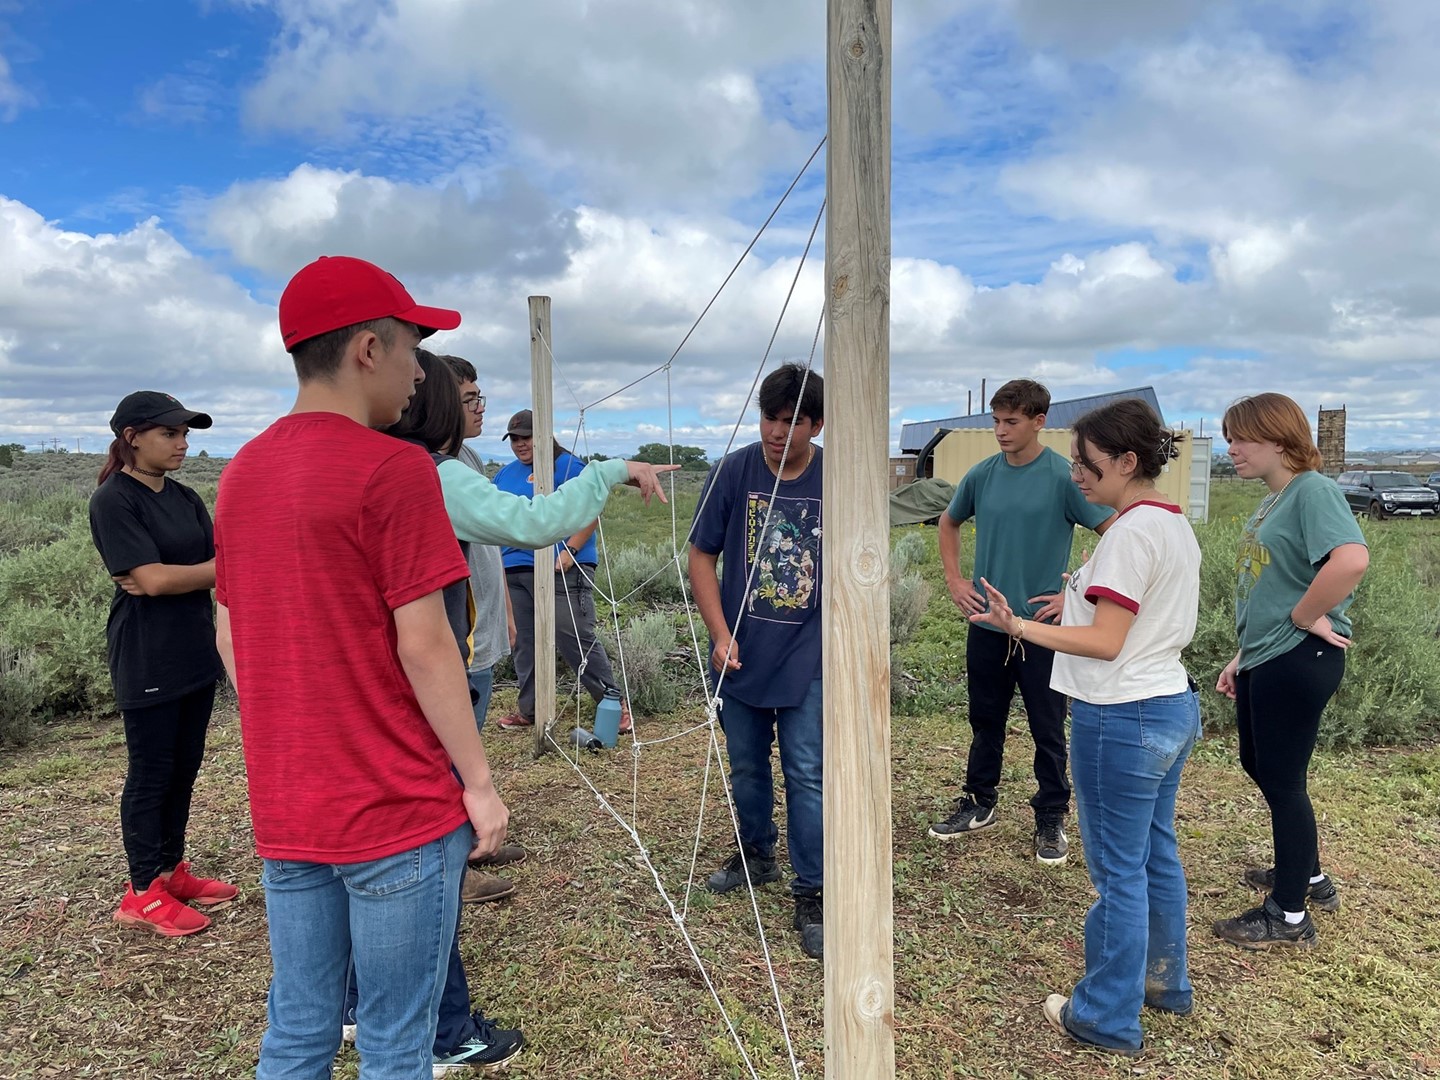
x=761, y=510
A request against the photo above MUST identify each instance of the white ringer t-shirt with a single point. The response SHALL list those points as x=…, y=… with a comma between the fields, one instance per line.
x=1149, y=563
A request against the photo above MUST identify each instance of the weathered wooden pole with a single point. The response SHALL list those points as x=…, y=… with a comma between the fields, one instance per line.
x=543, y=471
x=859, y=918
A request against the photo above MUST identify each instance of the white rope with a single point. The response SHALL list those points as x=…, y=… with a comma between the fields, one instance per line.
x=711, y=723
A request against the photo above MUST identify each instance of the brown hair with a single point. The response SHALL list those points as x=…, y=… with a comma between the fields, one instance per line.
x=1274, y=418
x=121, y=454
x=1022, y=395
x=318, y=358
x=1128, y=426
x=434, y=416
x=462, y=369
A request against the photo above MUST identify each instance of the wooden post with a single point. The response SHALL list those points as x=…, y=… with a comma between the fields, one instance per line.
x=543, y=470
x=859, y=917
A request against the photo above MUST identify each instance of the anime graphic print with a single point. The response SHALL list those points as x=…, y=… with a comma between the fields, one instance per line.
x=784, y=564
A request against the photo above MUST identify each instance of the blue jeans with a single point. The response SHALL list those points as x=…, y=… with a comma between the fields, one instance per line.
x=482, y=683
x=1125, y=762
x=397, y=916
x=749, y=733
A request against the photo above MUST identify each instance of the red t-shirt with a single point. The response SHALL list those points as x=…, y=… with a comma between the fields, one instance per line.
x=322, y=529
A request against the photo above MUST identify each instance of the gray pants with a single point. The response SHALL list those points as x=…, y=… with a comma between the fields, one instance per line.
x=574, y=633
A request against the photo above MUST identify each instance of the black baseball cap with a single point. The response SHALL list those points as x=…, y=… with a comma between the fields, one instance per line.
x=153, y=407
x=522, y=424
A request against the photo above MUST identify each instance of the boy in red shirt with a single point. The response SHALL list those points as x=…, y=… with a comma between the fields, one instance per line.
x=332, y=544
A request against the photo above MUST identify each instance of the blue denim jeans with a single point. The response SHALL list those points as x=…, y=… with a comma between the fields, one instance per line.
x=1125, y=762
x=482, y=683
x=749, y=733
x=397, y=916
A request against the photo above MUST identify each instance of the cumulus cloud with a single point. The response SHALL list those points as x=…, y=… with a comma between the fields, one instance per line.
x=89, y=318
x=507, y=227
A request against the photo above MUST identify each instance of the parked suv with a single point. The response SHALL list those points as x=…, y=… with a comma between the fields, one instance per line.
x=1388, y=494
x=1433, y=482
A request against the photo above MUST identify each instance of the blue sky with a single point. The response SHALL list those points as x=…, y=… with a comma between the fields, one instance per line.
x=1214, y=198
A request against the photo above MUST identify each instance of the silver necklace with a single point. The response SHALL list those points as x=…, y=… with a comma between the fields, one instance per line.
x=1268, y=503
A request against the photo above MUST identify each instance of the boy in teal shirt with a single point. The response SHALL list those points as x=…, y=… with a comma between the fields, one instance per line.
x=1026, y=507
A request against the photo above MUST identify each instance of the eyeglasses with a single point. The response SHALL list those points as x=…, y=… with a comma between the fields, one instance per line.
x=473, y=401
x=1077, y=466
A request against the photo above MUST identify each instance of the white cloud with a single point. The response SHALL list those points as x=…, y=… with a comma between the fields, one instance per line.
x=506, y=227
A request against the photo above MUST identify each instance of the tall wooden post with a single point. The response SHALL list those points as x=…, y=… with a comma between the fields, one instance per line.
x=543, y=470
x=859, y=918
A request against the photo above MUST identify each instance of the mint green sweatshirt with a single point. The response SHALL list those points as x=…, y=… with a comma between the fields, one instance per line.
x=481, y=513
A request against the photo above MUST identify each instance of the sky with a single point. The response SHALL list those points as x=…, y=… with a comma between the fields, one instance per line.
x=1211, y=198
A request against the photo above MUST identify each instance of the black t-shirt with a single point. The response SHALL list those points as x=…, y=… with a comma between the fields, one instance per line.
x=161, y=647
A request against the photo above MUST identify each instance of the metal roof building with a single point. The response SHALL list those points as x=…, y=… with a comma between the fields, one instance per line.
x=917, y=436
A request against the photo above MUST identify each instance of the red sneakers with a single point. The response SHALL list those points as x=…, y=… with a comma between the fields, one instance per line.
x=514, y=720
x=627, y=723
x=159, y=912
x=189, y=889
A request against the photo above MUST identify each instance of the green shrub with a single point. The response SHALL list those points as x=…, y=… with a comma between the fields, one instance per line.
x=640, y=661
x=1391, y=690
x=910, y=553
x=19, y=696
x=642, y=573
x=54, y=601
x=909, y=600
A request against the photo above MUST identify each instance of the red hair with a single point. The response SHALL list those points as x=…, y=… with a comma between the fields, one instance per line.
x=1274, y=418
x=121, y=454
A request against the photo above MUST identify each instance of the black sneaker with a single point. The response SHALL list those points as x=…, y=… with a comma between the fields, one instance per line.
x=810, y=921
x=489, y=1049
x=1051, y=847
x=967, y=817
x=1265, y=927
x=731, y=875
x=1321, y=893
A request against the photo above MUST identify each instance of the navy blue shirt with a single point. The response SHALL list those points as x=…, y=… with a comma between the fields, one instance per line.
x=770, y=570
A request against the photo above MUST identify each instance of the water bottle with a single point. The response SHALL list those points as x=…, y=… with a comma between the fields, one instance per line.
x=607, y=718
x=581, y=739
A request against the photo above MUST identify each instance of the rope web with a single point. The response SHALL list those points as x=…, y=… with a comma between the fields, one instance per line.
x=707, y=729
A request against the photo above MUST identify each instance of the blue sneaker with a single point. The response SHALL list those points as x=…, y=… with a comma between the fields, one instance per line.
x=489, y=1049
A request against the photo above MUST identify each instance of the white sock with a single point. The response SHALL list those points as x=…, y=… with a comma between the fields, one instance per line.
x=1317, y=879
x=1293, y=917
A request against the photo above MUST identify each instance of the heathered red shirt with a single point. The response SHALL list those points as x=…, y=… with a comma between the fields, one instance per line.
x=322, y=529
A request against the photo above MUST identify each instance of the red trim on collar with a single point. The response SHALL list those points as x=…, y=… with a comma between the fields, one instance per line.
x=1151, y=502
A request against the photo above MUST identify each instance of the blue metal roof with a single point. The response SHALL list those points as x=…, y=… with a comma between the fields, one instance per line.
x=1062, y=414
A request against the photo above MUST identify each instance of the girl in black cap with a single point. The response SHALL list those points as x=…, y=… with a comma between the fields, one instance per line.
x=156, y=539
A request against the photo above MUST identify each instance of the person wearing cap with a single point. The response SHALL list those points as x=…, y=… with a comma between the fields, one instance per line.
x=333, y=551
x=156, y=540
x=574, y=568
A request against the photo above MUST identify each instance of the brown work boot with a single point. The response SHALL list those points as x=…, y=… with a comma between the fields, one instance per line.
x=483, y=888
x=505, y=855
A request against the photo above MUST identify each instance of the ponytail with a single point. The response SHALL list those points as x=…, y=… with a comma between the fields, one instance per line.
x=121, y=455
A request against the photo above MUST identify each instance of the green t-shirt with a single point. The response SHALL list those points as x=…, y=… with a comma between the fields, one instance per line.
x=1025, y=518
x=1278, y=558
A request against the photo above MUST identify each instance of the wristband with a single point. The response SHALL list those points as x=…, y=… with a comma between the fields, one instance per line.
x=1305, y=628
x=1020, y=630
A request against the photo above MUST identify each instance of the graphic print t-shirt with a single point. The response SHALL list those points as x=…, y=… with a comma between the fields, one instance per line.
x=770, y=571
x=1279, y=557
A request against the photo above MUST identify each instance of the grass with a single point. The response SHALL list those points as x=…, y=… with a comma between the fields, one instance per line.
x=587, y=958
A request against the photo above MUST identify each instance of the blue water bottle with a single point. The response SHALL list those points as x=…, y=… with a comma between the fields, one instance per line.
x=607, y=718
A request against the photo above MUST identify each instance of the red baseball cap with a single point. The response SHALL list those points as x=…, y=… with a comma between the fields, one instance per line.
x=336, y=290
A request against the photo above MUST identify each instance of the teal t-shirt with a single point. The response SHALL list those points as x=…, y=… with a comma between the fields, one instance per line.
x=1278, y=558
x=1025, y=518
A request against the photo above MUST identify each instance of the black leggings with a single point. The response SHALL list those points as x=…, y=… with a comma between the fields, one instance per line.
x=166, y=743
x=1277, y=709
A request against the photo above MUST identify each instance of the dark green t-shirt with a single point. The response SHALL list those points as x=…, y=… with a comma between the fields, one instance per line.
x=1025, y=518
x=1278, y=558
